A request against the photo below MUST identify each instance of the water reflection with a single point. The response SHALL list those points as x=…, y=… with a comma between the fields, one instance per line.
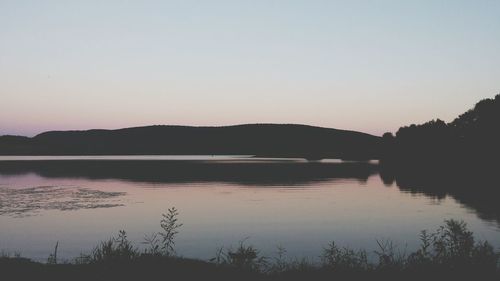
x=476, y=192
x=243, y=171
x=475, y=189
x=297, y=204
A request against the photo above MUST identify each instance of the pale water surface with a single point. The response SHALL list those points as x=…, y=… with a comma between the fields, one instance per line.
x=39, y=207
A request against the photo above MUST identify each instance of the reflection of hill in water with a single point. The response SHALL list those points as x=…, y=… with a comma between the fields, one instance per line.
x=473, y=189
x=249, y=172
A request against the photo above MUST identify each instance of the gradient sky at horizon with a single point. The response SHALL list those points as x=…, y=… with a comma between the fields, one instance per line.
x=370, y=66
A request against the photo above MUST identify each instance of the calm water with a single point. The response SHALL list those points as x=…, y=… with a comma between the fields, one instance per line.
x=301, y=206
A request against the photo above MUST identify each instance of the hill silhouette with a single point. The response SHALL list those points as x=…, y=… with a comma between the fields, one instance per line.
x=280, y=140
x=474, y=136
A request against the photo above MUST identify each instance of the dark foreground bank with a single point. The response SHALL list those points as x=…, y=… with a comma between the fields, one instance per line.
x=449, y=253
x=148, y=268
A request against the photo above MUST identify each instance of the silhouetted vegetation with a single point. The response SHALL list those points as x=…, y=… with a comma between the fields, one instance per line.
x=450, y=252
x=170, y=228
x=472, y=137
x=245, y=257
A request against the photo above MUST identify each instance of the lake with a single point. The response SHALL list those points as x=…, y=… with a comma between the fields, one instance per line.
x=299, y=205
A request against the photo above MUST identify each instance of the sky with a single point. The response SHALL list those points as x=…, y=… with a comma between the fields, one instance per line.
x=369, y=66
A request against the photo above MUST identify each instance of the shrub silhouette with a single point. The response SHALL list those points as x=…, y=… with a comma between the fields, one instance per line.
x=450, y=252
x=243, y=257
x=116, y=249
x=389, y=256
x=52, y=259
x=170, y=230
x=344, y=258
x=453, y=246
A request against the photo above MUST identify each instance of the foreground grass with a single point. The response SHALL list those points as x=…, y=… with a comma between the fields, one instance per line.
x=449, y=253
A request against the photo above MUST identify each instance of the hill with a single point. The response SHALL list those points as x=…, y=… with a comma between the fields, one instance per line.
x=283, y=140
